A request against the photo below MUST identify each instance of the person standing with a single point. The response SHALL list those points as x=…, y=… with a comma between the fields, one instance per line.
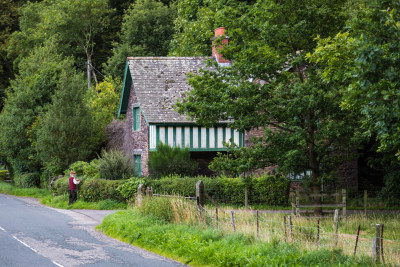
x=73, y=194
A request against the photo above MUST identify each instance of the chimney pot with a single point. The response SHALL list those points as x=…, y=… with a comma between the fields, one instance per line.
x=217, y=33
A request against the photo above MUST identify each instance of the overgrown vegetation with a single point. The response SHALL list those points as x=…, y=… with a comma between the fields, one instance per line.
x=113, y=165
x=167, y=160
x=202, y=246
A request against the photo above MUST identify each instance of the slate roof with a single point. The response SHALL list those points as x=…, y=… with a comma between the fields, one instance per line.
x=159, y=82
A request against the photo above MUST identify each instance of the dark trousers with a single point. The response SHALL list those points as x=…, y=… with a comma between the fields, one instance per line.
x=72, y=196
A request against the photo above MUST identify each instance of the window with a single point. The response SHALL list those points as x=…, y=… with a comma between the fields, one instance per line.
x=136, y=118
x=137, y=162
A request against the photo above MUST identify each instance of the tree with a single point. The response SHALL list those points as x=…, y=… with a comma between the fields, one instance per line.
x=271, y=85
x=8, y=24
x=74, y=23
x=27, y=97
x=147, y=29
x=364, y=62
x=65, y=132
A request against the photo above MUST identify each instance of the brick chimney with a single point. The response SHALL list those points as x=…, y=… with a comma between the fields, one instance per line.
x=219, y=32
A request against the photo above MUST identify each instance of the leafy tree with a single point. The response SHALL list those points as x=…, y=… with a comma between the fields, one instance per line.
x=8, y=24
x=147, y=29
x=27, y=98
x=103, y=104
x=65, y=132
x=271, y=85
x=364, y=62
x=74, y=23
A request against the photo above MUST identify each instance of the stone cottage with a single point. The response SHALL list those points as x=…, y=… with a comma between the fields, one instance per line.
x=151, y=87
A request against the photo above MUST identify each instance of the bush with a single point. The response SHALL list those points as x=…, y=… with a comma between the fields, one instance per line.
x=28, y=180
x=3, y=175
x=114, y=165
x=128, y=188
x=61, y=186
x=390, y=193
x=100, y=189
x=267, y=189
x=167, y=160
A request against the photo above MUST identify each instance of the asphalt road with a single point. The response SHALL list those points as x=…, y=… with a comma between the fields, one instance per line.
x=35, y=235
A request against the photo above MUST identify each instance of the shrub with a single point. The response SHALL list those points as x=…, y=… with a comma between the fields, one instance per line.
x=114, y=165
x=129, y=187
x=167, y=160
x=28, y=180
x=3, y=175
x=100, y=189
x=61, y=186
x=390, y=192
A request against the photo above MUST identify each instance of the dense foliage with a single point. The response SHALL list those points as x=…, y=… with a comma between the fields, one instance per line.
x=267, y=189
x=167, y=160
x=113, y=165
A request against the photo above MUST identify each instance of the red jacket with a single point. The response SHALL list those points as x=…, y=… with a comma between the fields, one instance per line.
x=72, y=186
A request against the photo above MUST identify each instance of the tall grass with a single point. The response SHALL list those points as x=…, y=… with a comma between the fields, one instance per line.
x=201, y=245
x=271, y=227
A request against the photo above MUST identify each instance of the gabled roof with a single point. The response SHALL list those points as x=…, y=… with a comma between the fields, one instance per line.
x=158, y=83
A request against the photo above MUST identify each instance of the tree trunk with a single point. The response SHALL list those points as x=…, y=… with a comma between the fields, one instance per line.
x=314, y=164
x=89, y=72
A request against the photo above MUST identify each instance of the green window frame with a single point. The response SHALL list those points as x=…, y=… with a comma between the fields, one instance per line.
x=137, y=162
x=136, y=119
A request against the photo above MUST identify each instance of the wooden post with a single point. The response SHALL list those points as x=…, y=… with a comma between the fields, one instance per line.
x=344, y=203
x=140, y=194
x=318, y=235
x=365, y=201
x=297, y=202
x=383, y=257
x=233, y=221
x=336, y=225
x=358, y=234
x=149, y=191
x=284, y=227
x=246, y=199
x=199, y=209
x=258, y=226
x=290, y=228
x=49, y=182
x=200, y=193
x=376, y=244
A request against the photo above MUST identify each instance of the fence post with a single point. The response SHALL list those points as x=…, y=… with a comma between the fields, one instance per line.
x=344, y=203
x=258, y=226
x=318, y=235
x=358, y=234
x=246, y=199
x=376, y=244
x=140, y=194
x=284, y=227
x=200, y=193
x=365, y=201
x=383, y=257
x=216, y=216
x=233, y=221
x=290, y=228
x=297, y=202
x=336, y=225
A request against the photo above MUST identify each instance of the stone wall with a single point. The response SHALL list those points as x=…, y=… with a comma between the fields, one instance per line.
x=136, y=142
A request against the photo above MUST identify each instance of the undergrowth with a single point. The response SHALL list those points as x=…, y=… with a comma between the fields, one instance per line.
x=203, y=246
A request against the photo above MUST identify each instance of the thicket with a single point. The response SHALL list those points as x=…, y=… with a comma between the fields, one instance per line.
x=3, y=175
x=113, y=165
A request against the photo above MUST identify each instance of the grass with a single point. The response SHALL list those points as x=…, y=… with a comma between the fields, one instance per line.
x=206, y=246
x=60, y=202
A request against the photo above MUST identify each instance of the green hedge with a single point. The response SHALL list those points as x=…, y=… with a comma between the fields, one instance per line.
x=267, y=189
x=3, y=175
x=94, y=190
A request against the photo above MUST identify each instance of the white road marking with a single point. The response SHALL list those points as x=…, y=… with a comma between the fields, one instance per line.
x=31, y=248
x=2, y=229
x=25, y=244
x=59, y=265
